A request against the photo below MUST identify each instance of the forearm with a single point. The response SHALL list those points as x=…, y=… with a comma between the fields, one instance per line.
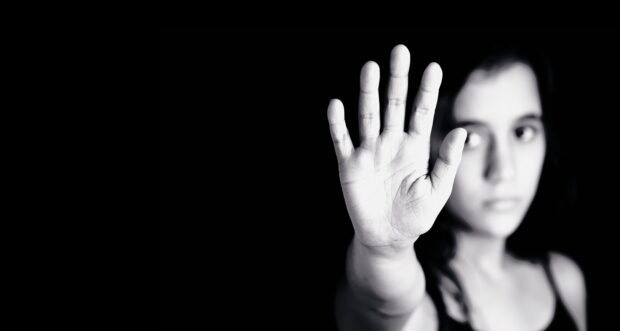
x=389, y=282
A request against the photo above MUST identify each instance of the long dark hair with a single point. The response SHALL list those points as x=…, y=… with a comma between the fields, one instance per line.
x=436, y=248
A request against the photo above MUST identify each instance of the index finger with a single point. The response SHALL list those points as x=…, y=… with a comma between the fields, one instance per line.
x=421, y=121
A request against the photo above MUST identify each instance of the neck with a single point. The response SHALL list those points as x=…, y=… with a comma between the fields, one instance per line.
x=481, y=251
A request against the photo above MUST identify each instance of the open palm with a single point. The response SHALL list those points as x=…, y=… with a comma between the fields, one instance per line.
x=391, y=197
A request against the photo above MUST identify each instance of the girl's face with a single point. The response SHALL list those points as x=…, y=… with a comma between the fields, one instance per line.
x=504, y=151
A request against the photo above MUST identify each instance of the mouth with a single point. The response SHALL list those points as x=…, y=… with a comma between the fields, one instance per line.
x=501, y=204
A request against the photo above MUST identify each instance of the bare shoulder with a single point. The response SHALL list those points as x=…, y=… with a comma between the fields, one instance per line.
x=571, y=284
x=567, y=274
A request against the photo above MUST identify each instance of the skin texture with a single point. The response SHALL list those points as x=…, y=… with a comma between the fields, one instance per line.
x=390, y=194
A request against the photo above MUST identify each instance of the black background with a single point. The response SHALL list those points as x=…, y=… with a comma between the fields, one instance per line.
x=253, y=226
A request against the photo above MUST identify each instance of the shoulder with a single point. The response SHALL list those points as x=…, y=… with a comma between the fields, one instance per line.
x=571, y=285
x=567, y=274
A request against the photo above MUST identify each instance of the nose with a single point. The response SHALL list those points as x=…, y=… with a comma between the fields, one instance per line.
x=500, y=163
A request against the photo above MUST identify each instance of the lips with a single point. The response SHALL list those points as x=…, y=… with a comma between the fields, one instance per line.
x=501, y=204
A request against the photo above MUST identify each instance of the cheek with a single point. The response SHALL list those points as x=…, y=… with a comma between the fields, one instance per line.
x=470, y=173
x=530, y=165
x=469, y=178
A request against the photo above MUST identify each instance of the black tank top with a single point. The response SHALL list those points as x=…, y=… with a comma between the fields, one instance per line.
x=561, y=320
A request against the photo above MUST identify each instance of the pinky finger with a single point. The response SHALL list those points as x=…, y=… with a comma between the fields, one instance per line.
x=338, y=130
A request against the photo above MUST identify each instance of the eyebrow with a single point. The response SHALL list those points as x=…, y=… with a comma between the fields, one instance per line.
x=531, y=116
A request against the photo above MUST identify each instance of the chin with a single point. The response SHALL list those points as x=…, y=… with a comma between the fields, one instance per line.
x=499, y=225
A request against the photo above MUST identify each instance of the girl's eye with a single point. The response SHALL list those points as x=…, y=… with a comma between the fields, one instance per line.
x=525, y=133
x=473, y=140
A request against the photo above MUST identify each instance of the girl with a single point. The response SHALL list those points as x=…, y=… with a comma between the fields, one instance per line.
x=462, y=275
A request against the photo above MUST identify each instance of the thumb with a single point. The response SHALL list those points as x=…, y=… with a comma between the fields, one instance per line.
x=450, y=152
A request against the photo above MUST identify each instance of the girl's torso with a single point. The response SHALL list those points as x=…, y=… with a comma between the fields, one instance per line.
x=526, y=298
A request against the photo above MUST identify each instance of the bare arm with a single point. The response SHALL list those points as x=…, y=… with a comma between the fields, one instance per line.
x=391, y=196
x=381, y=290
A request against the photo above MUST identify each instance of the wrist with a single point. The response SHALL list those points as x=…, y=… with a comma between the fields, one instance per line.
x=393, y=251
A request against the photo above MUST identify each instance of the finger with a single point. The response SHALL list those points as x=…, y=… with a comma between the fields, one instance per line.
x=397, y=89
x=450, y=153
x=369, y=104
x=421, y=120
x=338, y=130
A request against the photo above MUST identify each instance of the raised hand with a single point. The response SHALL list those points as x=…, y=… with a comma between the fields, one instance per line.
x=390, y=195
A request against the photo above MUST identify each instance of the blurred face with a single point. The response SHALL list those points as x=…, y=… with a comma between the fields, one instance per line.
x=504, y=151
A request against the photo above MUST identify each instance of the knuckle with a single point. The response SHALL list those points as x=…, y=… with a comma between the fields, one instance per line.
x=368, y=115
x=396, y=102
